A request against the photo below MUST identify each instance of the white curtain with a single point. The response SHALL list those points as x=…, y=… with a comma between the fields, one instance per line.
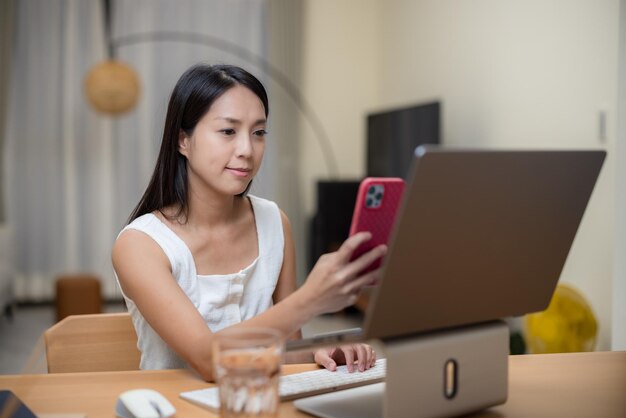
x=72, y=176
x=57, y=152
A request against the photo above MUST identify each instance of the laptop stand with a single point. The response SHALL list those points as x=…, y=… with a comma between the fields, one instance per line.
x=440, y=374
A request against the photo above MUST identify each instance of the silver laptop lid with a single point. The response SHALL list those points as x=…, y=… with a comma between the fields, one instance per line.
x=480, y=235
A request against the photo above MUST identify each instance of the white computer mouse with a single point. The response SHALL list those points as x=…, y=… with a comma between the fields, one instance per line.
x=143, y=403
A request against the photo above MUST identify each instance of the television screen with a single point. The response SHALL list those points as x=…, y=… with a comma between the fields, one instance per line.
x=393, y=135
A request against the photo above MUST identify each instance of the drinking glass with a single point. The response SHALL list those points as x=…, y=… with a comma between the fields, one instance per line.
x=246, y=364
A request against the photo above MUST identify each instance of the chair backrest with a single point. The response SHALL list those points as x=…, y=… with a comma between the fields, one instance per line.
x=92, y=343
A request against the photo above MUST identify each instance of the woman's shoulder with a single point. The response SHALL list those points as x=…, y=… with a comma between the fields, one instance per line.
x=148, y=236
x=154, y=227
x=157, y=221
x=265, y=207
x=134, y=244
x=140, y=229
x=256, y=200
x=268, y=206
x=141, y=221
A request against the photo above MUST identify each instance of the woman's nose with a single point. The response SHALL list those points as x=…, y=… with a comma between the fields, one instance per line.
x=244, y=146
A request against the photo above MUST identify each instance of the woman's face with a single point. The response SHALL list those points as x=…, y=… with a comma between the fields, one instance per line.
x=225, y=150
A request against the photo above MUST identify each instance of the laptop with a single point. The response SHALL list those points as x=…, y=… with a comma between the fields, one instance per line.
x=480, y=235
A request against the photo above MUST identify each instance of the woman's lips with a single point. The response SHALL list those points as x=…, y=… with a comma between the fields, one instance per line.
x=239, y=172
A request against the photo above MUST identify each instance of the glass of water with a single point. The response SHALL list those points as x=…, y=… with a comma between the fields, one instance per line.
x=246, y=364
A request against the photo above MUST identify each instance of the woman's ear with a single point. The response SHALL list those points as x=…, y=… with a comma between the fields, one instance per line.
x=183, y=143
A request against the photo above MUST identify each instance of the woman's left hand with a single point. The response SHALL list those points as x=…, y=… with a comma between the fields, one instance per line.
x=356, y=356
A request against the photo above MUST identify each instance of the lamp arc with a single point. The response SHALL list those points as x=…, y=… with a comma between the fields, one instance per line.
x=274, y=73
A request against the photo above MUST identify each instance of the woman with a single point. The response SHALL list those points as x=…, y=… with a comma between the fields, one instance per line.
x=200, y=255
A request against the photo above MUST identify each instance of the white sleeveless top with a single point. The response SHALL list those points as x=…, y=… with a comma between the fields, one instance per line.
x=222, y=300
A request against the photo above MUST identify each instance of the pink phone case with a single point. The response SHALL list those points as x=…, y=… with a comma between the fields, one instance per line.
x=375, y=211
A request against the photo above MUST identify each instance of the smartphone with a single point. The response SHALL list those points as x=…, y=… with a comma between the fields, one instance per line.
x=375, y=210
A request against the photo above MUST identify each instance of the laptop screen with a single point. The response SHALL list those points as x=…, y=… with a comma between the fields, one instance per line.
x=480, y=235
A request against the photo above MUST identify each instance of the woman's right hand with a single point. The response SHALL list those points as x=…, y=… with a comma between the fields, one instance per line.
x=335, y=281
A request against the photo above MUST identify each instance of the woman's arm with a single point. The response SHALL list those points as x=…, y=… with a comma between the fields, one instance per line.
x=145, y=275
x=363, y=354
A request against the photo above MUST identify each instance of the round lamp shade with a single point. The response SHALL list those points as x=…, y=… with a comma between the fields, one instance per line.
x=112, y=87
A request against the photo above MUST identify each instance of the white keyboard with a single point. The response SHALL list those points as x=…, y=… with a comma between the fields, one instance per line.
x=303, y=384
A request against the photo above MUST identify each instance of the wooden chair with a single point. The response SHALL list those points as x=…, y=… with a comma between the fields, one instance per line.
x=92, y=343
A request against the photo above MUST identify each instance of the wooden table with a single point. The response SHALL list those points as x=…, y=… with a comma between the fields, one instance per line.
x=548, y=385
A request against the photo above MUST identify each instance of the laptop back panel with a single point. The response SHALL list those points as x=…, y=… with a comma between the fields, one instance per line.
x=481, y=235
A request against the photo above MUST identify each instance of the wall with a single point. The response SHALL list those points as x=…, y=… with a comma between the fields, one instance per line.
x=619, y=278
x=511, y=74
x=340, y=77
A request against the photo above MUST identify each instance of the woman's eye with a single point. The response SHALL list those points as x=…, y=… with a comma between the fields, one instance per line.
x=228, y=131
x=260, y=132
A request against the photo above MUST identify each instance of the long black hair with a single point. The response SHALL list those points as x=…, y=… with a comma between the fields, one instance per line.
x=193, y=95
